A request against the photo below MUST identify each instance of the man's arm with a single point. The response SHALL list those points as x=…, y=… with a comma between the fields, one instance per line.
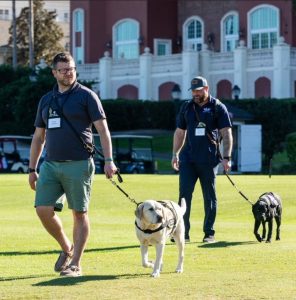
x=178, y=142
x=227, y=139
x=36, y=149
x=105, y=138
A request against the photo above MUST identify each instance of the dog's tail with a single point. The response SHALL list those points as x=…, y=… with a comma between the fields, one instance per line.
x=183, y=206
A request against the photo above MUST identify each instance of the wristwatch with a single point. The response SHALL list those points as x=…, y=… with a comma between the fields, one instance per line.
x=227, y=158
x=31, y=170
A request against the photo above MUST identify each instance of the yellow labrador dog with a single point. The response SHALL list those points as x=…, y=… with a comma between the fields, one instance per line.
x=155, y=222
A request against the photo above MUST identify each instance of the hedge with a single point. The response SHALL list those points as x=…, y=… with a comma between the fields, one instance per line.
x=19, y=98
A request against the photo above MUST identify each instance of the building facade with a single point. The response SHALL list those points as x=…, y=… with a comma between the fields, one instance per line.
x=144, y=49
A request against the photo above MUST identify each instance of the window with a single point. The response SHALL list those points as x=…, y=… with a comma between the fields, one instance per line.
x=162, y=47
x=78, y=36
x=264, y=27
x=230, y=32
x=4, y=14
x=193, y=34
x=126, y=35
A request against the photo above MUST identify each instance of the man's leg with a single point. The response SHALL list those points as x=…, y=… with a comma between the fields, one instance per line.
x=187, y=181
x=80, y=235
x=52, y=223
x=208, y=182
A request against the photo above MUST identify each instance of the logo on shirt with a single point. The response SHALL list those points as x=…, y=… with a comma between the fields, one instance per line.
x=207, y=109
x=52, y=113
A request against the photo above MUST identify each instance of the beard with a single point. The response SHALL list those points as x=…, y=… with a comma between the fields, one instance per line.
x=200, y=99
x=67, y=81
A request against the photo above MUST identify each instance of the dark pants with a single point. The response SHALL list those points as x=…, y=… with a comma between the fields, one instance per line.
x=188, y=176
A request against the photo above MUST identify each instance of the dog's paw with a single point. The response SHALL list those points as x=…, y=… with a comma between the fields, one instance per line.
x=278, y=239
x=148, y=264
x=179, y=270
x=268, y=241
x=155, y=274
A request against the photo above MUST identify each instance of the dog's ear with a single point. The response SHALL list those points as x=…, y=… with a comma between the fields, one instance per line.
x=139, y=211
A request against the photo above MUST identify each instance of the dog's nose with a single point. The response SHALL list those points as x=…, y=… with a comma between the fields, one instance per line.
x=159, y=219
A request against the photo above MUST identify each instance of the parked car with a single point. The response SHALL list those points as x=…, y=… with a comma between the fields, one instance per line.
x=133, y=154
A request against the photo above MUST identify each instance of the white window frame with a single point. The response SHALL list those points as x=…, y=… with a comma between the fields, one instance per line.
x=74, y=48
x=166, y=42
x=233, y=38
x=115, y=43
x=192, y=43
x=260, y=31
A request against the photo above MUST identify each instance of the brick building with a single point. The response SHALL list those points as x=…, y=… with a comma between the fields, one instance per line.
x=142, y=49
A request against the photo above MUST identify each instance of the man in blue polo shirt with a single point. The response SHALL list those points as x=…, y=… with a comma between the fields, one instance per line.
x=196, y=155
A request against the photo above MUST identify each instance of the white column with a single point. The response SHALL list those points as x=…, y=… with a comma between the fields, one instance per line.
x=281, y=86
x=190, y=69
x=145, y=92
x=105, y=76
x=205, y=62
x=240, y=69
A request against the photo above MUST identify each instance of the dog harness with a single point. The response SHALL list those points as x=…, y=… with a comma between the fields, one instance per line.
x=270, y=199
x=169, y=224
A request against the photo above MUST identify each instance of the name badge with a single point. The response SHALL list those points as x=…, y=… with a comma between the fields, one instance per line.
x=199, y=131
x=54, y=123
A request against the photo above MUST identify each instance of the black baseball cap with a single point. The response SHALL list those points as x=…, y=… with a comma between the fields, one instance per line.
x=198, y=83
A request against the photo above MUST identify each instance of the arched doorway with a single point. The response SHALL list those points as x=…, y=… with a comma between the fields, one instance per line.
x=128, y=92
x=165, y=91
x=262, y=88
x=224, y=90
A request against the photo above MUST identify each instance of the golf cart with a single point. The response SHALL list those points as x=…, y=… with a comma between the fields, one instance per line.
x=133, y=154
x=14, y=153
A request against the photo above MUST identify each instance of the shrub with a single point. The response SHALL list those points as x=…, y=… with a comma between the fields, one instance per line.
x=291, y=147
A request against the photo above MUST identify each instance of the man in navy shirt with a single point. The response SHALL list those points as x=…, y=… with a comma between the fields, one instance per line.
x=64, y=119
x=196, y=155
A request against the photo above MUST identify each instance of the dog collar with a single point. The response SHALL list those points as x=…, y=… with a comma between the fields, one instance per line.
x=149, y=231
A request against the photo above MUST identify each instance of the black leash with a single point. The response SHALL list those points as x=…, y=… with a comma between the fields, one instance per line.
x=245, y=197
x=125, y=193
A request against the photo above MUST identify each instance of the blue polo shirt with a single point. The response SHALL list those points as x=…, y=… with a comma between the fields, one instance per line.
x=198, y=148
x=82, y=107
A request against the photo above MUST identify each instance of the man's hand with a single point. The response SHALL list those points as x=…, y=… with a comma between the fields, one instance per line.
x=226, y=164
x=33, y=177
x=175, y=162
x=110, y=169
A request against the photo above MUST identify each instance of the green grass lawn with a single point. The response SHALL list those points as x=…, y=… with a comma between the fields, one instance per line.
x=236, y=267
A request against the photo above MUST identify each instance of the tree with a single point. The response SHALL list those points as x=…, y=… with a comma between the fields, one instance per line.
x=47, y=34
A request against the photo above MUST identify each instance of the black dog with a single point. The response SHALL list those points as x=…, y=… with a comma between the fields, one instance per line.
x=268, y=206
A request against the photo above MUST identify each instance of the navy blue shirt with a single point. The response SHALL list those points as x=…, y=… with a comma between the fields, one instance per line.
x=199, y=148
x=82, y=107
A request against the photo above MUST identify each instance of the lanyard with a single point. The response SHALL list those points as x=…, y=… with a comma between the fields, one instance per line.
x=59, y=107
x=207, y=129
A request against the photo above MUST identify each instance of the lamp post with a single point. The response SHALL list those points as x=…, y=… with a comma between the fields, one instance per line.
x=176, y=92
x=236, y=92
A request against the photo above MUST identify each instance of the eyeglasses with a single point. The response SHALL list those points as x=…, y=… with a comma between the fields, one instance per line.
x=66, y=70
